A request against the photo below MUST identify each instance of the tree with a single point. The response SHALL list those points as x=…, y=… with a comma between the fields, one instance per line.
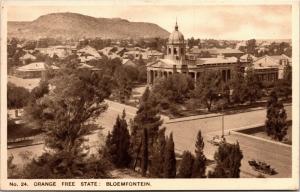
x=276, y=125
x=170, y=159
x=174, y=88
x=123, y=84
x=186, y=165
x=238, y=85
x=76, y=99
x=283, y=87
x=250, y=46
x=17, y=97
x=157, y=160
x=145, y=153
x=199, y=166
x=228, y=159
x=207, y=89
x=254, y=86
x=33, y=115
x=109, y=148
x=147, y=117
x=117, y=143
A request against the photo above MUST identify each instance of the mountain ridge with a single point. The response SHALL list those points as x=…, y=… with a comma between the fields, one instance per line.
x=69, y=25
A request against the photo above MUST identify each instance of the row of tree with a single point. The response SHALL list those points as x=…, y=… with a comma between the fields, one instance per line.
x=272, y=49
x=211, y=91
x=148, y=149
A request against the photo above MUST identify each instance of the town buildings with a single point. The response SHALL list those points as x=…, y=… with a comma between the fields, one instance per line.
x=196, y=62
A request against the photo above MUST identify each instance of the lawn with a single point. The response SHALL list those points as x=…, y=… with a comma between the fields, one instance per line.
x=259, y=132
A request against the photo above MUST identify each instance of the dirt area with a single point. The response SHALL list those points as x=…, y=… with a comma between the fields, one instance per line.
x=26, y=83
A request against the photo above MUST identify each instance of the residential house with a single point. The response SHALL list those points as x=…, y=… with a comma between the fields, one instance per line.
x=27, y=58
x=33, y=70
x=277, y=61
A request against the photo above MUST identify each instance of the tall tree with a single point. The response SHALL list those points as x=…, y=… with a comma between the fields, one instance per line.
x=251, y=45
x=158, y=157
x=17, y=97
x=77, y=98
x=254, y=86
x=145, y=153
x=207, y=89
x=199, y=167
x=276, y=125
x=283, y=87
x=123, y=84
x=186, y=165
x=147, y=117
x=238, y=85
x=170, y=159
x=174, y=88
x=228, y=158
x=118, y=143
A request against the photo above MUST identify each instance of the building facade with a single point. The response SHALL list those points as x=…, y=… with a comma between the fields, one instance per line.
x=275, y=64
x=176, y=61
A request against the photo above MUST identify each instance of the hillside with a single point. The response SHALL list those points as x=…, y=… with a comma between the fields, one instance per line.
x=73, y=25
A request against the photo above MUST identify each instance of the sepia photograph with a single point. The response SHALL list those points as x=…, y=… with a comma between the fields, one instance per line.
x=139, y=93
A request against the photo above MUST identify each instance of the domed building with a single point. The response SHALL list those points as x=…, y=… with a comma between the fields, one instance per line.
x=176, y=61
x=176, y=46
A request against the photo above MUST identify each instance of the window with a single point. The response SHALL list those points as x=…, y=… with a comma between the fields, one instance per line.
x=181, y=51
x=175, y=51
x=169, y=50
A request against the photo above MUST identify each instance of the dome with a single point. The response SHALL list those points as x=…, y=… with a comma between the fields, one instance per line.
x=176, y=36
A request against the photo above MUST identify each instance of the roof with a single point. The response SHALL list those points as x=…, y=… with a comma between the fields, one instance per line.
x=36, y=66
x=128, y=62
x=163, y=63
x=275, y=59
x=216, y=51
x=154, y=52
x=89, y=50
x=176, y=37
x=270, y=61
x=106, y=50
x=28, y=56
x=218, y=60
x=279, y=57
x=86, y=66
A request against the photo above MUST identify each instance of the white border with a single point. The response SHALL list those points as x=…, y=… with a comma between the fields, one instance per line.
x=161, y=184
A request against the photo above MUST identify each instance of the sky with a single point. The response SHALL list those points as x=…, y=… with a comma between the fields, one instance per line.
x=198, y=21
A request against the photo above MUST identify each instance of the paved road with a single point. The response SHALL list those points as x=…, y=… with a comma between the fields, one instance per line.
x=278, y=156
x=185, y=132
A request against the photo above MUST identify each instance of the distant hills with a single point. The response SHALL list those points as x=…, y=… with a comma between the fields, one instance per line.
x=77, y=26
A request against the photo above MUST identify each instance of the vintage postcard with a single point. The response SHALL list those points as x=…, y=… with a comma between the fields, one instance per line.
x=149, y=95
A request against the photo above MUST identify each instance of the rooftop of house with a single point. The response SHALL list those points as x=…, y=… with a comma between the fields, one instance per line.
x=217, y=60
x=169, y=63
x=28, y=56
x=90, y=50
x=216, y=51
x=36, y=66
